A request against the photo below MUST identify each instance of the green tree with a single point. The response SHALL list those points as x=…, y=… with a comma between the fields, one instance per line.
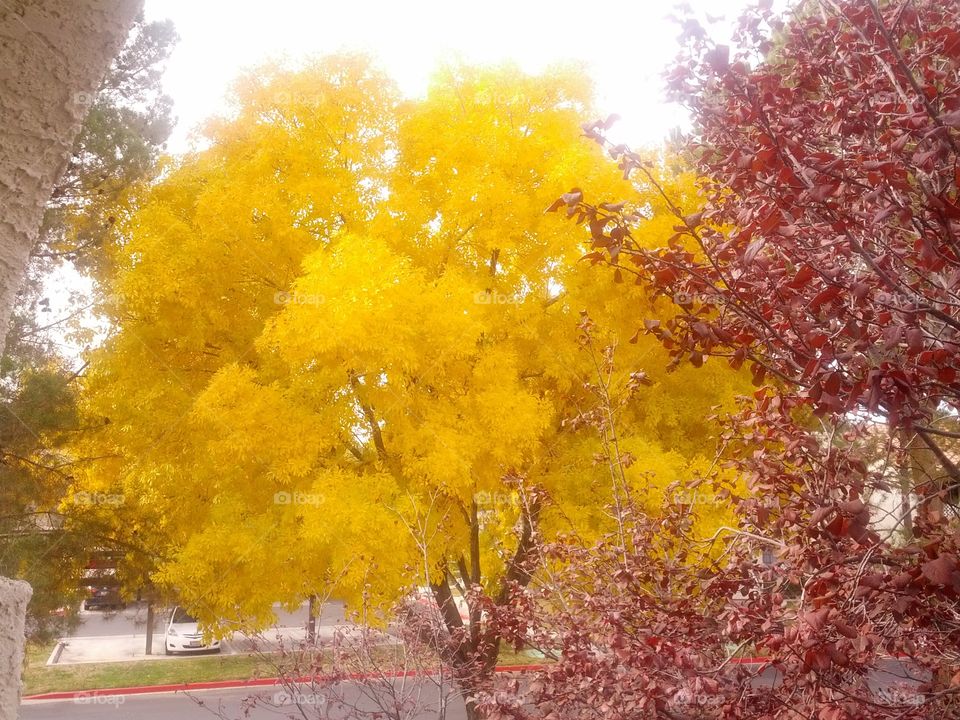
x=129, y=120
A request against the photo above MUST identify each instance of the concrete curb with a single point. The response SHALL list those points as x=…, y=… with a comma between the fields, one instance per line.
x=57, y=651
x=267, y=682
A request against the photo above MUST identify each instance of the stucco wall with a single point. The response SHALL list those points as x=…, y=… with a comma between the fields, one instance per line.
x=53, y=55
x=14, y=595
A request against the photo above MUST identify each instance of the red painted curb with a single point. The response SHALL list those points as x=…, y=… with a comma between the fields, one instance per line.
x=265, y=682
x=219, y=684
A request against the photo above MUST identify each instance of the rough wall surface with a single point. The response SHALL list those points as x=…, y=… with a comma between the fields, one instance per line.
x=14, y=596
x=53, y=55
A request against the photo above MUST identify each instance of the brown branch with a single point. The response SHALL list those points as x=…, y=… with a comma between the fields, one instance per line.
x=494, y=257
x=370, y=417
x=517, y=570
x=952, y=470
x=935, y=431
x=905, y=69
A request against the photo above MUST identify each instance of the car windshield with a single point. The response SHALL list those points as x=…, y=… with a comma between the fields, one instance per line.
x=182, y=616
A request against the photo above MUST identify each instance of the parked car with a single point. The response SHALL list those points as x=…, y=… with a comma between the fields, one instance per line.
x=184, y=635
x=102, y=596
x=422, y=599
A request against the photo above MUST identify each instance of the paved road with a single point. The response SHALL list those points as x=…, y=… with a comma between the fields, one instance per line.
x=891, y=680
x=233, y=704
x=892, y=683
x=132, y=620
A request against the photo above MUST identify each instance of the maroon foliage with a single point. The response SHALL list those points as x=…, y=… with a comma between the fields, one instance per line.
x=825, y=257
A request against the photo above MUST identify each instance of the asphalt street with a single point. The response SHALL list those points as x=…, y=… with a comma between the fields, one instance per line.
x=893, y=683
x=252, y=703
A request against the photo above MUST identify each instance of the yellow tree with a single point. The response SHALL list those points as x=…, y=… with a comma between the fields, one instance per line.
x=347, y=344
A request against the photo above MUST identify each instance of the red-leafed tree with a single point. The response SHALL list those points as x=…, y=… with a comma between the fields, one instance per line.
x=824, y=255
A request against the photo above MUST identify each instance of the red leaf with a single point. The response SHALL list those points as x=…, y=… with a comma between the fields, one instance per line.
x=817, y=618
x=833, y=383
x=752, y=251
x=718, y=58
x=613, y=207
x=915, y=340
x=846, y=630
x=942, y=571
x=665, y=276
x=951, y=119
x=771, y=221
x=824, y=297
x=852, y=507
x=819, y=514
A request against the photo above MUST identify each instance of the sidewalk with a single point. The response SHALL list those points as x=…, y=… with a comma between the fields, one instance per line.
x=127, y=648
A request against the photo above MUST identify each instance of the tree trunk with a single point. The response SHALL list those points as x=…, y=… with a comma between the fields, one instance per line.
x=472, y=683
x=53, y=55
x=149, y=648
x=927, y=476
x=906, y=478
x=312, y=620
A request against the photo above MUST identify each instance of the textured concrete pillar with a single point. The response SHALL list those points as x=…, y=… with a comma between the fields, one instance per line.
x=53, y=56
x=14, y=596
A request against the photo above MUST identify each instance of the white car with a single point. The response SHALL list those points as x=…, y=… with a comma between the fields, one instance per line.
x=184, y=635
x=422, y=597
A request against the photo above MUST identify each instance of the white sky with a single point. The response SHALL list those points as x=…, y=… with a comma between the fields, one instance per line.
x=624, y=43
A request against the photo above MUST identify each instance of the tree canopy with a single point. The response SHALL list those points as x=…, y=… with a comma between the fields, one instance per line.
x=346, y=342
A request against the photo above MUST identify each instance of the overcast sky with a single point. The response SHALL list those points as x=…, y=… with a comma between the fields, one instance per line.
x=625, y=44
